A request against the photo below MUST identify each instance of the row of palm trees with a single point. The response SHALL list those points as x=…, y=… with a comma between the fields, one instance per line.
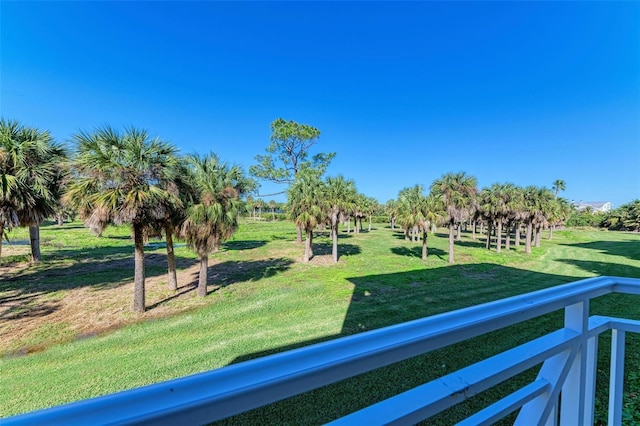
x=129, y=178
x=122, y=178
x=313, y=201
x=454, y=200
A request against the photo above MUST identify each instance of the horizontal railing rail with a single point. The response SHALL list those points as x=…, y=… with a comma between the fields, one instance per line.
x=568, y=356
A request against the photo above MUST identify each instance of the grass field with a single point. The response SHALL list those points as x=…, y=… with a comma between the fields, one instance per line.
x=67, y=331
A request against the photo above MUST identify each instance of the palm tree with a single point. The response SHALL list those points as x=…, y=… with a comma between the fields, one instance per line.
x=559, y=212
x=543, y=212
x=121, y=179
x=456, y=192
x=359, y=211
x=558, y=185
x=31, y=174
x=630, y=215
x=272, y=206
x=306, y=206
x=429, y=212
x=485, y=206
x=535, y=213
x=495, y=203
x=181, y=189
x=259, y=204
x=213, y=218
x=372, y=207
x=408, y=206
x=391, y=208
x=339, y=194
x=514, y=210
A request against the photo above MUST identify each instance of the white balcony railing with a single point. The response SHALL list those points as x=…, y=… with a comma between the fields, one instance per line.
x=563, y=390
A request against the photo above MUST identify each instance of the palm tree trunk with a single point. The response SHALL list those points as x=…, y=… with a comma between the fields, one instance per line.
x=202, y=277
x=34, y=237
x=298, y=234
x=406, y=234
x=459, y=237
x=488, y=242
x=516, y=231
x=138, y=276
x=334, y=236
x=527, y=239
x=473, y=230
x=307, y=247
x=538, y=236
x=451, y=237
x=172, y=279
x=1, y=238
x=499, y=236
x=551, y=227
x=424, y=245
x=481, y=228
x=348, y=225
x=507, y=240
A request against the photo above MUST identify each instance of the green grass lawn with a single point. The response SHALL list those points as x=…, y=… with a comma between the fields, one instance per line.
x=263, y=300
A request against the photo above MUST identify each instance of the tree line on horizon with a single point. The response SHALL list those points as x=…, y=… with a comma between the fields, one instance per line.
x=127, y=177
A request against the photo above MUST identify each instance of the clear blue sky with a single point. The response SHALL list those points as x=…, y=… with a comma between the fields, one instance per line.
x=518, y=92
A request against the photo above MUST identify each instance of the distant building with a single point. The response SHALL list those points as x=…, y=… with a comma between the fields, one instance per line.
x=596, y=206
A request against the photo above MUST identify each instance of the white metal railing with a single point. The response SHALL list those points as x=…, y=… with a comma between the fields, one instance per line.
x=566, y=378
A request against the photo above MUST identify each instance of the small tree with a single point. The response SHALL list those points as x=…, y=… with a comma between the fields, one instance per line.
x=288, y=154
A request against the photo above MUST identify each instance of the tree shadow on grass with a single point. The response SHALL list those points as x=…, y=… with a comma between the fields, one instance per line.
x=400, y=235
x=322, y=248
x=181, y=290
x=244, y=244
x=231, y=272
x=26, y=306
x=417, y=252
x=628, y=249
x=381, y=300
x=605, y=268
x=479, y=242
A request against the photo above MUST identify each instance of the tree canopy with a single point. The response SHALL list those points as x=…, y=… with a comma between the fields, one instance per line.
x=288, y=153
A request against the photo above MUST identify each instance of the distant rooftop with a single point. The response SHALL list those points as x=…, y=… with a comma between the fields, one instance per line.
x=602, y=206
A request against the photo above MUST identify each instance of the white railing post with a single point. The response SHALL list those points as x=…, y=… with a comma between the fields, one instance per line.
x=543, y=409
x=616, y=379
x=590, y=388
x=576, y=317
